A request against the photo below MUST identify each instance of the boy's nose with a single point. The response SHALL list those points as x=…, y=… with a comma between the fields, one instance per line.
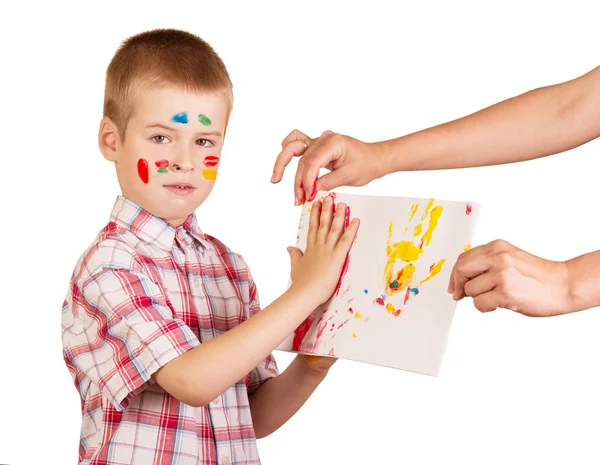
x=184, y=167
x=184, y=162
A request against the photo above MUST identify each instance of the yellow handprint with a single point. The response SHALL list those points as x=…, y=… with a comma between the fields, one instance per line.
x=408, y=253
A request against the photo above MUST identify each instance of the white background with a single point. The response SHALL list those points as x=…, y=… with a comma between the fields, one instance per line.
x=512, y=389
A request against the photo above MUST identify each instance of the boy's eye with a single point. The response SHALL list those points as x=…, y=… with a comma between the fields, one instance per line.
x=160, y=139
x=203, y=142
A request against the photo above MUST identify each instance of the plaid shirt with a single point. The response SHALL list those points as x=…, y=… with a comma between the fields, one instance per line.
x=141, y=295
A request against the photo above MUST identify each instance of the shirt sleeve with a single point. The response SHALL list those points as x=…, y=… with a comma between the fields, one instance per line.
x=119, y=330
x=267, y=368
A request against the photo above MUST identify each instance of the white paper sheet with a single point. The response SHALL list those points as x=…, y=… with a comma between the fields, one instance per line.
x=392, y=307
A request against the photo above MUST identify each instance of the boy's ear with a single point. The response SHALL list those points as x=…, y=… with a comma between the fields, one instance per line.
x=108, y=139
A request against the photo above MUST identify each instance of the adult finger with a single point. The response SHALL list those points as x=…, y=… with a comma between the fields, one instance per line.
x=469, y=255
x=467, y=269
x=489, y=301
x=481, y=284
x=294, y=148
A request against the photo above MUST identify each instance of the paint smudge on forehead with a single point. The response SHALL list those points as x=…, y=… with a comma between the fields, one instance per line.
x=142, y=167
x=204, y=120
x=181, y=118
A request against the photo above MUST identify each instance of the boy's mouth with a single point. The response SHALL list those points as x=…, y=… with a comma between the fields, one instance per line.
x=180, y=188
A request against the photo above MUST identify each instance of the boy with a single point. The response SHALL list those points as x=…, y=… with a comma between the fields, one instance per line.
x=161, y=325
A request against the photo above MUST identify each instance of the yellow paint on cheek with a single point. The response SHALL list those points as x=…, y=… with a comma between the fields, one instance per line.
x=435, y=270
x=389, y=308
x=209, y=174
x=358, y=315
x=354, y=335
x=467, y=247
x=418, y=229
x=433, y=222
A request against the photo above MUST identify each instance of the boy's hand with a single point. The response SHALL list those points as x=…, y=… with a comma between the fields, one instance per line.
x=317, y=271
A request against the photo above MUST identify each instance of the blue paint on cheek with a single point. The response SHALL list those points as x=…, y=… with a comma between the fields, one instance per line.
x=366, y=291
x=180, y=118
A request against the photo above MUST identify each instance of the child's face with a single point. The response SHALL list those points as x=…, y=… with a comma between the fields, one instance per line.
x=169, y=160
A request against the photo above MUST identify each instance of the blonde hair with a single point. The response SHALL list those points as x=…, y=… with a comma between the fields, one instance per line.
x=158, y=58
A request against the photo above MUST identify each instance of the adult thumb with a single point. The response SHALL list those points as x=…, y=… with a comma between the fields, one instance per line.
x=330, y=181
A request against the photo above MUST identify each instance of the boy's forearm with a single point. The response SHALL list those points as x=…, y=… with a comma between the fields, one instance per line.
x=538, y=123
x=203, y=373
x=584, y=281
x=277, y=400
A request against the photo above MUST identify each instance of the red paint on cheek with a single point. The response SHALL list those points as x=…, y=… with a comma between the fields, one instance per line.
x=211, y=161
x=469, y=209
x=162, y=163
x=142, y=167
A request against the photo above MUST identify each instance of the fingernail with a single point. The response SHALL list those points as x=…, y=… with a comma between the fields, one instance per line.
x=296, y=201
x=275, y=182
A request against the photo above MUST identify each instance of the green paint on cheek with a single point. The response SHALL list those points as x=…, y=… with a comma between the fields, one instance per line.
x=205, y=120
x=162, y=170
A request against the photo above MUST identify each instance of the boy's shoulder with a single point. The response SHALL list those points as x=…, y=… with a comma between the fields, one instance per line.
x=113, y=247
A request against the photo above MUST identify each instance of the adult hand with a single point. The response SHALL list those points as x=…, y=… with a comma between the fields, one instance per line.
x=351, y=162
x=499, y=275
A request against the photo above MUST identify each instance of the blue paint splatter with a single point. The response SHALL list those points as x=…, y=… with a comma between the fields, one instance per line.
x=366, y=291
x=414, y=290
x=394, y=284
x=180, y=118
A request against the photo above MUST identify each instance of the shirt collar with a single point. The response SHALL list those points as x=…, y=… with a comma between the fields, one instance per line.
x=153, y=229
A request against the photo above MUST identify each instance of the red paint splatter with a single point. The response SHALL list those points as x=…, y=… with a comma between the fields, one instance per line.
x=331, y=352
x=162, y=163
x=469, y=209
x=300, y=332
x=407, y=295
x=142, y=167
x=347, y=262
x=431, y=267
x=397, y=312
x=379, y=301
x=350, y=310
x=211, y=161
x=342, y=324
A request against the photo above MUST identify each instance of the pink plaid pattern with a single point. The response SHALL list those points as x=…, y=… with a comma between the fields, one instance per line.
x=142, y=294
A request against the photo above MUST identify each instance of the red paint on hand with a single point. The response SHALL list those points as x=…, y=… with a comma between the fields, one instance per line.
x=211, y=161
x=162, y=163
x=314, y=192
x=142, y=167
x=300, y=332
x=347, y=262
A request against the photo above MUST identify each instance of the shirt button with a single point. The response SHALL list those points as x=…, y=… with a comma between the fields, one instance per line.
x=225, y=460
